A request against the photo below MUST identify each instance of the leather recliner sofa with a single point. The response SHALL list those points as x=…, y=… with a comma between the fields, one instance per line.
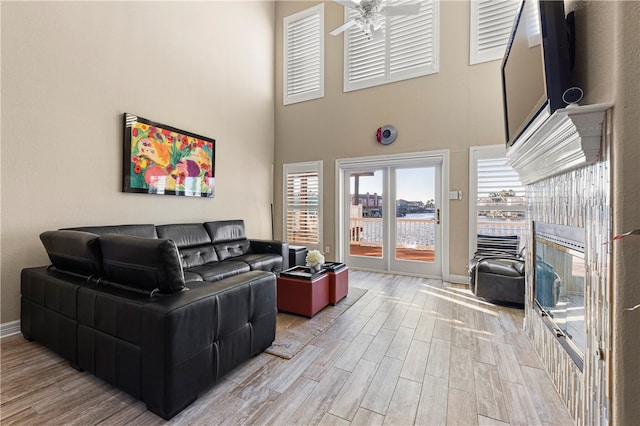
x=161, y=312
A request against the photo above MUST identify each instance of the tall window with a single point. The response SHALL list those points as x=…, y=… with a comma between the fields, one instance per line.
x=408, y=48
x=303, y=204
x=497, y=197
x=491, y=25
x=304, y=55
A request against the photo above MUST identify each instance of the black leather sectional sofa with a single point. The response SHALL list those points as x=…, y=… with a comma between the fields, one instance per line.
x=161, y=312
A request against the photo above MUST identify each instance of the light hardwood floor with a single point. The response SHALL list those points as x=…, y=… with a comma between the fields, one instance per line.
x=410, y=351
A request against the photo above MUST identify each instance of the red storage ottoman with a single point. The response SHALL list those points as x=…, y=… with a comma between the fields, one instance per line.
x=338, y=281
x=302, y=293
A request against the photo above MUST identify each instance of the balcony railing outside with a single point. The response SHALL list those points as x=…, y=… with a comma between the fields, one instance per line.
x=502, y=228
x=420, y=233
x=412, y=233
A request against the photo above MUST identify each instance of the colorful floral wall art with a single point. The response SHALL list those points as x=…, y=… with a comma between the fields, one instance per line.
x=160, y=159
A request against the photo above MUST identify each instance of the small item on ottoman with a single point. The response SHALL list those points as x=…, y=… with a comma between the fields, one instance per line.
x=302, y=273
x=315, y=260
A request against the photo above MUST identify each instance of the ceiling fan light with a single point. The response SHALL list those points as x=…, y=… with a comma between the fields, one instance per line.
x=376, y=22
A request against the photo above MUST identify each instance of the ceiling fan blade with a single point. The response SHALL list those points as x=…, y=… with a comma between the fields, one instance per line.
x=401, y=10
x=348, y=3
x=343, y=27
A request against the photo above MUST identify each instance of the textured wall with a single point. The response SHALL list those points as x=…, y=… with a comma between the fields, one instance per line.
x=626, y=215
x=607, y=68
x=580, y=198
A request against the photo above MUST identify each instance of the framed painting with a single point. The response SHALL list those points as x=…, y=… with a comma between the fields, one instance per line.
x=163, y=160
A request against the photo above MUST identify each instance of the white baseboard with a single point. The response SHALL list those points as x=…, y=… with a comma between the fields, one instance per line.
x=9, y=328
x=459, y=279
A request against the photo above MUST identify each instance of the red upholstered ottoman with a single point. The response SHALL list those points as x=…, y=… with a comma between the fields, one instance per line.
x=302, y=293
x=338, y=281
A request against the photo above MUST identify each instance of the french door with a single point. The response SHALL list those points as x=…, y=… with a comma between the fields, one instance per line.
x=392, y=216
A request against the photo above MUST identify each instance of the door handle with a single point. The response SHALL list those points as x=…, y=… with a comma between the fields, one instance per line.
x=437, y=216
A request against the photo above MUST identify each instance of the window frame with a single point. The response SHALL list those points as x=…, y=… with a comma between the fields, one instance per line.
x=305, y=167
x=287, y=22
x=433, y=68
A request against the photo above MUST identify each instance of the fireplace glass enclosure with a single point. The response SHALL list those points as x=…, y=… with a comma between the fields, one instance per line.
x=559, y=284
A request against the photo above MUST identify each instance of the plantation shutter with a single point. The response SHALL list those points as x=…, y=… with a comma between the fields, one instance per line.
x=495, y=176
x=407, y=49
x=365, y=59
x=303, y=197
x=498, y=197
x=411, y=41
x=304, y=55
x=491, y=25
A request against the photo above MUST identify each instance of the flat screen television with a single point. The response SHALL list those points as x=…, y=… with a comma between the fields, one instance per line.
x=536, y=68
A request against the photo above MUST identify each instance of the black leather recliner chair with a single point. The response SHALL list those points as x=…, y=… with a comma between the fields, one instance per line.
x=497, y=271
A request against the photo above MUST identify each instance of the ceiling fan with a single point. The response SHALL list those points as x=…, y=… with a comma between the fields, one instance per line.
x=372, y=13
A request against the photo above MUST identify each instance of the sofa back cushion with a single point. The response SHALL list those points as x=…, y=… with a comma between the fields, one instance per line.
x=142, y=263
x=73, y=251
x=145, y=230
x=226, y=230
x=193, y=242
x=232, y=249
x=199, y=255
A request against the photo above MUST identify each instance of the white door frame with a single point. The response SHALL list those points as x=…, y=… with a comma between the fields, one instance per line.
x=342, y=186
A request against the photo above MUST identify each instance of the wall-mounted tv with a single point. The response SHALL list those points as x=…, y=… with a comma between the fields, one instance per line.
x=536, y=68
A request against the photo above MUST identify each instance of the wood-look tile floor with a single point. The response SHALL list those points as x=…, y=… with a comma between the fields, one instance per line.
x=410, y=351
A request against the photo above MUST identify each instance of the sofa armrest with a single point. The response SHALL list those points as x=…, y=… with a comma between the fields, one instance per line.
x=272, y=246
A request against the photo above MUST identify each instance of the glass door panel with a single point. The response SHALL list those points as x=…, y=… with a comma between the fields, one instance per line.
x=417, y=217
x=366, y=204
x=390, y=219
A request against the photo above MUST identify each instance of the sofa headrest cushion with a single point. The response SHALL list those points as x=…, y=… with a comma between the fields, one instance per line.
x=226, y=230
x=184, y=234
x=143, y=263
x=145, y=230
x=73, y=251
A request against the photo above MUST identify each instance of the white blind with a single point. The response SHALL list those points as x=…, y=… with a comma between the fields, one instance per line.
x=407, y=49
x=304, y=55
x=366, y=59
x=302, y=205
x=498, y=186
x=498, y=208
x=491, y=25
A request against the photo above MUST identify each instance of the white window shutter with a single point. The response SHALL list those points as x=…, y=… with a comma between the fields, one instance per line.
x=497, y=205
x=495, y=176
x=412, y=42
x=409, y=48
x=491, y=25
x=364, y=59
x=304, y=55
x=303, y=204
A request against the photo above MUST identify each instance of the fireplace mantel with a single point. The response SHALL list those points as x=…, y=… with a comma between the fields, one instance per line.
x=567, y=140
